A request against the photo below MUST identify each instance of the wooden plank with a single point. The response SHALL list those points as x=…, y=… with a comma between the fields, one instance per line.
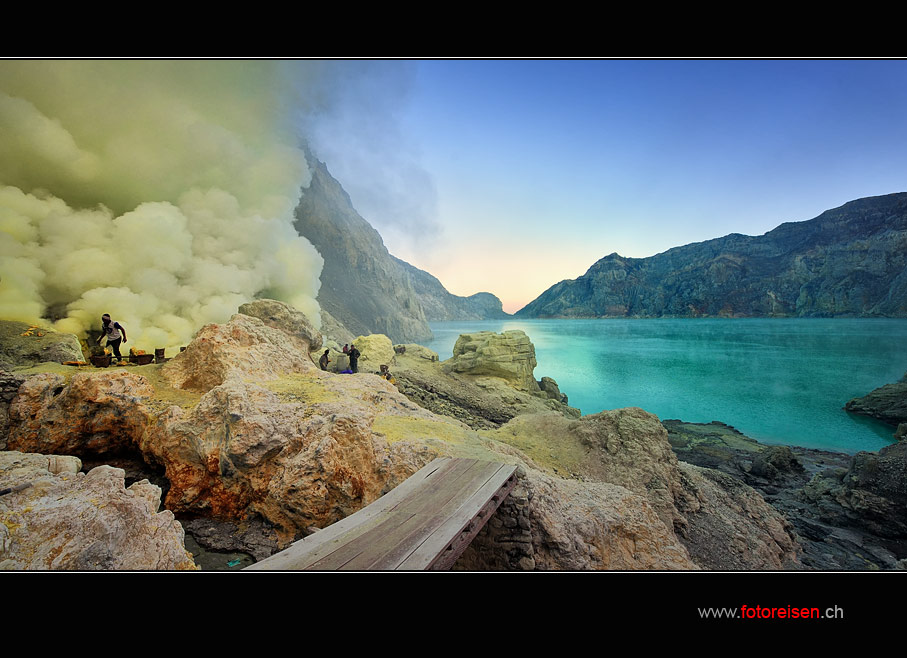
x=405, y=520
x=311, y=548
x=465, y=503
x=344, y=556
x=391, y=551
x=425, y=522
x=448, y=541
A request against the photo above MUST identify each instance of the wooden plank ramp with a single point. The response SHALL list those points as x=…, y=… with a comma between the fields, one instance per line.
x=423, y=524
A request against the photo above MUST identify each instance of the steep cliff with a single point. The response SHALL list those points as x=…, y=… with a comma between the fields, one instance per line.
x=850, y=261
x=362, y=285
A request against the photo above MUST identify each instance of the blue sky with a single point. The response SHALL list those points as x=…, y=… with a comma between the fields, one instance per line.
x=518, y=174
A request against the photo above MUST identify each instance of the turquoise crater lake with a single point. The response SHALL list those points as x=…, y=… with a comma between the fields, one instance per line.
x=781, y=381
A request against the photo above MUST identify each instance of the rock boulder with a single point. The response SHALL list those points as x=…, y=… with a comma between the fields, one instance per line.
x=102, y=413
x=244, y=344
x=23, y=345
x=376, y=350
x=72, y=520
x=290, y=321
x=888, y=403
x=509, y=355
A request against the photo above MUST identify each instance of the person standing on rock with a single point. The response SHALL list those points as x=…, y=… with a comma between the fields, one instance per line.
x=115, y=334
x=354, y=358
x=324, y=360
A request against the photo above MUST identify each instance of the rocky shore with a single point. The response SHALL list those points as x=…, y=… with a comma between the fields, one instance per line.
x=887, y=403
x=250, y=446
x=844, y=509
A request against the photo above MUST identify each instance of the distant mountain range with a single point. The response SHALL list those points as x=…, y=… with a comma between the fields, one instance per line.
x=440, y=305
x=847, y=262
x=362, y=285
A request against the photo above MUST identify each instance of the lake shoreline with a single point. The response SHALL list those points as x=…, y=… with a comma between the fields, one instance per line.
x=782, y=381
x=832, y=499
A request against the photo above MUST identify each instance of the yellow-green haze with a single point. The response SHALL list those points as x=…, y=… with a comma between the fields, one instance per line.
x=161, y=192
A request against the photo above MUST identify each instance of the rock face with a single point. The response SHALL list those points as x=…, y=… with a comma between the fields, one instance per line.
x=100, y=414
x=887, y=403
x=441, y=306
x=509, y=356
x=482, y=390
x=64, y=519
x=376, y=350
x=549, y=523
x=362, y=286
x=9, y=387
x=849, y=261
x=847, y=512
x=287, y=319
x=245, y=344
x=366, y=289
x=23, y=345
x=625, y=455
x=869, y=495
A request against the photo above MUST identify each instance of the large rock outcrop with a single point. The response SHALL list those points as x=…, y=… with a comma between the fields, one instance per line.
x=91, y=414
x=849, y=261
x=287, y=319
x=629, y=448
x=846, y=510
x=509, y=356
x=550, y=523
x=888, y=403
x=23, y=345
x=488, y=381
x=870, y=494
x=58, y=518
x=245, y=344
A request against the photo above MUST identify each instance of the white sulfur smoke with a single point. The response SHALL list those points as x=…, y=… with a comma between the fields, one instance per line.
x=161, y=192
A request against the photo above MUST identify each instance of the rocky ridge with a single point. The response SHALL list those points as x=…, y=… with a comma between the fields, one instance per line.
x=887, y=403
x=846, y=511
x=847, y=262
x=486, y=389
x=366, y=289
x=24, y=344
x=440, y=305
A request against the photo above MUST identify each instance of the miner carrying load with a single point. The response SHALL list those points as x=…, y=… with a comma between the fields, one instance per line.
x=115, y=334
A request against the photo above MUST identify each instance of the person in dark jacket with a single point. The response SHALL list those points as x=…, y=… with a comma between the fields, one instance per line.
x=324, y=360
x=354, y=358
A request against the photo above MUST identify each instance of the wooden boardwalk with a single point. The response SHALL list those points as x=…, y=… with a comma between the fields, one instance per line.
x=425, y=523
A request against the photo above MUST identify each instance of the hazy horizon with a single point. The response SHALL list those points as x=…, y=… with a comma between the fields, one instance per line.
x=508, y=176
x=500, y=176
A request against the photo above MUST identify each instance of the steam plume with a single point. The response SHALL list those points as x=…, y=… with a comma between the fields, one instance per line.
x=161, y=192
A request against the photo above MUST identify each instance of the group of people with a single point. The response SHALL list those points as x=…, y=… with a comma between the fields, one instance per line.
x=115, y=334
x=350, y=351
x=353, y=354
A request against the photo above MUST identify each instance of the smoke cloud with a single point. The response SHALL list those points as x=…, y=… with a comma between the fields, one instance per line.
x=358, y=133
x=161, y=192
